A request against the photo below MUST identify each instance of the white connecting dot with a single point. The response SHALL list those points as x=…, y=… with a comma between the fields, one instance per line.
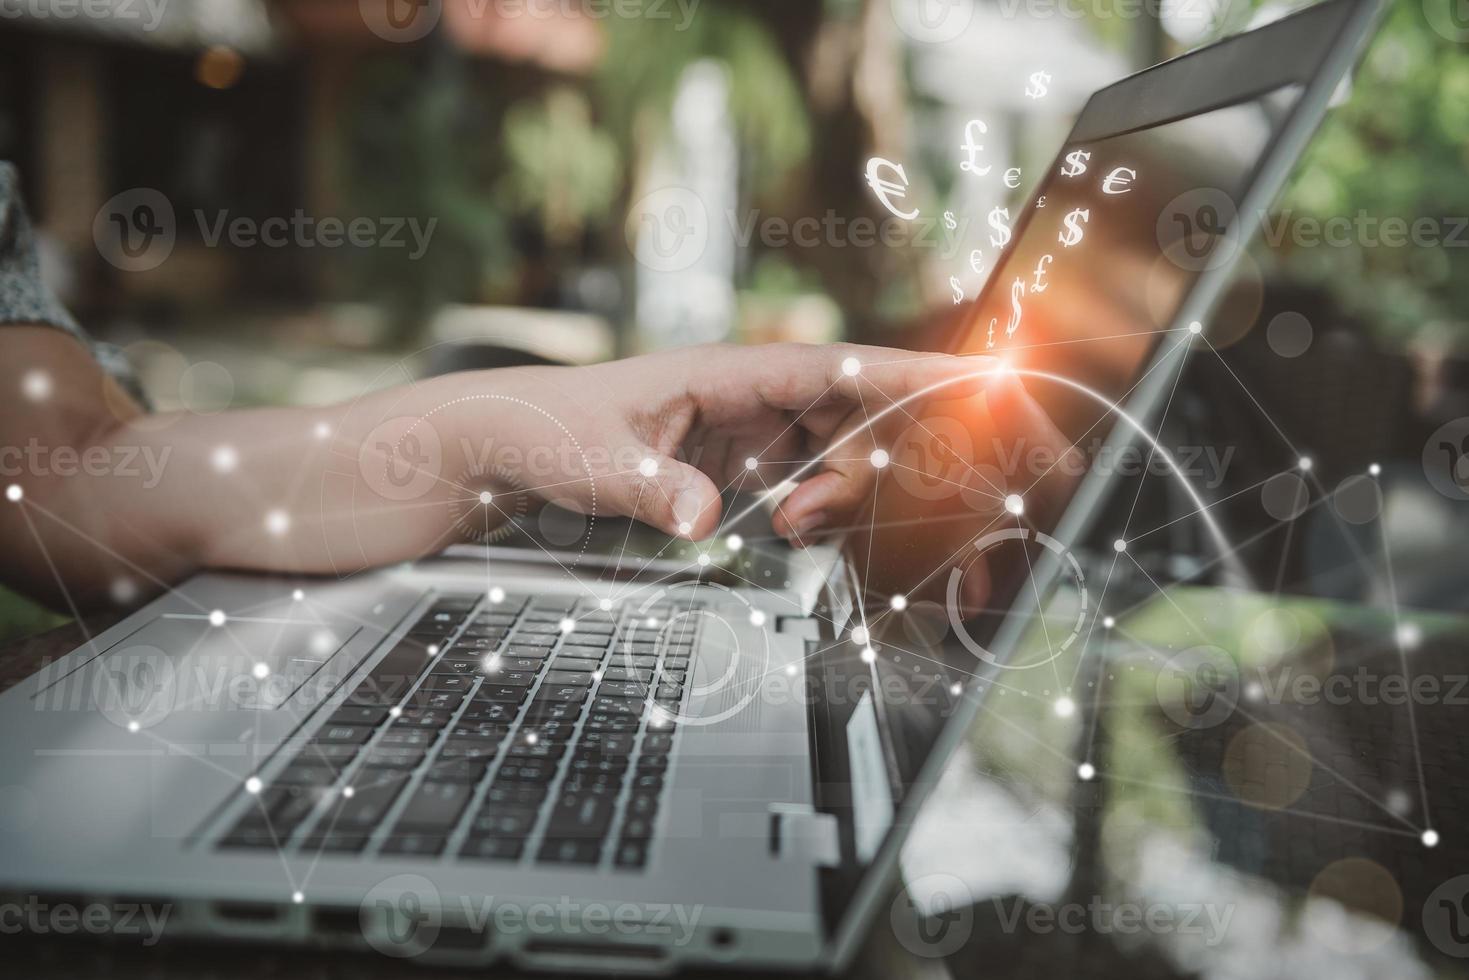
x=216, y=617
x=253, y=785
x=1015, y=504
x=1375, y=469
x=879, y=458
x=224, y=459
x=1119, y=546
x=703, y=560
x=133, y=726
x=36, y=385
x=851, y=367
x=751, y=463
x=1065, y=707
x=648, y=467
x=349, y=791
x=486, y=498
x=859, y=635
x=321, y=430
x=13, y=493
x=605, y=605
x=297, y=595
x=757, y=617
x=260, y=671
x=298, y=897
x=1108, y=622
x=497, y=595
x=567, y=625
x=1409, y=636
x=899, y=602
x=868, y=655
x=1430, y=838
x=1086, y=771
x=1196, y=328
x=1306, y=463
x=277, y=522
x=734, y=542
x=684, y=527
x=790, y=670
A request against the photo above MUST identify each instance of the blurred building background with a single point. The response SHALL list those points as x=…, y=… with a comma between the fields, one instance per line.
x=530, y=137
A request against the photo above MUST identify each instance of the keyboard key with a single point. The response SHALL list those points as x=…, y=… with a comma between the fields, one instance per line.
x=570, y=852
x=448, y=682
x=621, y=689
x=342, y=735
x=631, y=854
x=358, y=715
x=395, y=756
x=540, y=750
x=465, y=770
x=607, y=743
x=492, y=848
x=580, y=815
x=543, y=712
x=437, y=700
x=643, y=677
x=561, y=692
x=637, y=828
x=435, y=807
x=514, y=795
x=478, y=748
x=571, y=678
x=458, y=665
x=501, y=693
x=642, y=804
x=489, y=711
x=527, y=664
x=492, y=731
x=373, y=793
x=657, y=743
x=415, y=845
x=632, y=706
x=408, y=737
x=574, y=663
x=426, y=719
x=650, y=782
x=530, y=771
x=304, y=772
x=598, y=765
x=504, y=822
x=510, y=678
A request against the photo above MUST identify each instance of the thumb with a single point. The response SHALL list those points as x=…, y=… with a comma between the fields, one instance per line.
x=670, y=495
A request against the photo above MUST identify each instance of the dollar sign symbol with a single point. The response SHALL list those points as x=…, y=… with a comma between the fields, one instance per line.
x=1073, y=221
x=1017, y=290
x=1076, y=163
x=1038, y=87
x=949, y=221
x=999, y=220
x=958, y=289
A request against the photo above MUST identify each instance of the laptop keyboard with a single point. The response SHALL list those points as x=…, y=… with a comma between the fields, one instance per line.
x=528, y=729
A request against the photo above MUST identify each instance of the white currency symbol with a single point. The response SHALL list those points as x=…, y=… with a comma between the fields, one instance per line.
x=1012, y=177
x=1074, y=220
x=1119, y=181
x=1076, y=163
x=883, y=187
x=971, y=147
x=1040, y=273
x=990, y=338
x=949, y=221
x=999, y=221
x=1038, y=82
x=958, y=289
x=976, y=260
x=1040, y=202
x=1017, y=290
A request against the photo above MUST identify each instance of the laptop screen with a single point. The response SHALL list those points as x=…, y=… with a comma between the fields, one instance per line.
x=1104, y=256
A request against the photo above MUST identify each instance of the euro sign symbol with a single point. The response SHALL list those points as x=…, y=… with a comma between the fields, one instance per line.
x=1119, y=181
x=976, y=260
x=1017, y=290
x=1012, y=177
x=972, y=146
x=410, y=451
x=1039, y=82
x=958, y=289
x=1075, y=164
x=1039, y=286
x=1073, y=221
x=1199, y=231
x=146, y=226
x=886, y=189
x=999, y=220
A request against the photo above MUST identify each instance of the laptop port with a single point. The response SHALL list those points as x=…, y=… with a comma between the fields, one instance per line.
x=337, y=923
x=248, y=913
x=628, y=954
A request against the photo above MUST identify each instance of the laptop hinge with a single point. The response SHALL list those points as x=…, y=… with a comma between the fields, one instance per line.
x=799, y=833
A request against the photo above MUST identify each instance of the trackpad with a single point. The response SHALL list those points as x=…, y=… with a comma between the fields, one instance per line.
x=186, y=664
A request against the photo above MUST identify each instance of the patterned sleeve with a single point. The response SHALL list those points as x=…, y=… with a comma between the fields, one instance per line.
x=24, y=298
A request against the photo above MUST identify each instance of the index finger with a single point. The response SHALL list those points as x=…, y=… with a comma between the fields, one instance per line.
x=798, y=377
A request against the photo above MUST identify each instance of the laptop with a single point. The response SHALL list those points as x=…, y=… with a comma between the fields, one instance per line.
x=467, y=760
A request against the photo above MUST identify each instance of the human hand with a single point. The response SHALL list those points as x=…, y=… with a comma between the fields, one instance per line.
x=658, y=437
